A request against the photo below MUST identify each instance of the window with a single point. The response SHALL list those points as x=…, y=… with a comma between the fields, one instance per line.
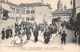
x=27, y=7
x=32, y=12
x=12, y=8
x=63, y=14
x=16, y=18
x=17, y=10
x=67, y=14
x=27, y=18
x=58, y=14
x=63, y=17
x=66, y=17
x=27, y=11
x=23, y=11
x=32, y=7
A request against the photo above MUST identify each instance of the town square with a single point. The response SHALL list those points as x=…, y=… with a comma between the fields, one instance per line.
x=39, y=24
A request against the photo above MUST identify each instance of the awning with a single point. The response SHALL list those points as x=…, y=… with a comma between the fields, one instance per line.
x=6, y=7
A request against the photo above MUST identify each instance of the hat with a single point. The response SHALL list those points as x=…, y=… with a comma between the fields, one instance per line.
x=63, y=30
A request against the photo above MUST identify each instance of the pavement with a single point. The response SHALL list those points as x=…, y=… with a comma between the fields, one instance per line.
x=30, y=46
x=54, y=44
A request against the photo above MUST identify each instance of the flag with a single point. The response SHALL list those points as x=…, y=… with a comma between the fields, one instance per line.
x=71, y=2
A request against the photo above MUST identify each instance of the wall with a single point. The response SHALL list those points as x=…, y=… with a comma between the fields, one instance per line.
x=41, y=13
x=66, y=17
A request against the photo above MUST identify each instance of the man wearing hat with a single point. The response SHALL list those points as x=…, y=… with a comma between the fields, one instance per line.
x=63, y=37
x=3, y=33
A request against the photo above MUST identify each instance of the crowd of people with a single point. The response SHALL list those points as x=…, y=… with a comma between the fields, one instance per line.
x=6, y=33
x=27, y=30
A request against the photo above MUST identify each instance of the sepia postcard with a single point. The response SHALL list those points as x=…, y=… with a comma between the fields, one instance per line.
x=39, y=25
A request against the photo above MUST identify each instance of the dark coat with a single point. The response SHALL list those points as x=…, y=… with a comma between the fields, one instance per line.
x=51, y=29
x=27, y=30
x=46, y=37
x=7, y=33
x=63, y=36
x=11, y=31
x=35, y=33
x=28, y=33
x=79, y=39
x=3, y=32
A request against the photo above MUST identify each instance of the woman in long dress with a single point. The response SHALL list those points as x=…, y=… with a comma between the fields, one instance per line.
x=46, y=36
x=35, y=33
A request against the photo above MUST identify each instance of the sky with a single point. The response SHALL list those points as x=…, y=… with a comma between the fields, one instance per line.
x=53, y=3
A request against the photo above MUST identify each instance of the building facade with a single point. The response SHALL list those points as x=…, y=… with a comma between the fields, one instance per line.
x=19, y=11
x=62, y=12
x=38, y=12
x=32, y=12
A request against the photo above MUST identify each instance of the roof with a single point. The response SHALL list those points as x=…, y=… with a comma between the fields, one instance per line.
x=62, y=11
x=6, y=7
x=34, y=4
x=17, y=6
x=30, y=4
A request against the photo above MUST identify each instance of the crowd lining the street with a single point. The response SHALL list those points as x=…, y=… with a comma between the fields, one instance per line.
x=21, y=30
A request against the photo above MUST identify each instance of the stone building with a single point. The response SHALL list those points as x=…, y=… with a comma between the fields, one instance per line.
x=62, y=12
